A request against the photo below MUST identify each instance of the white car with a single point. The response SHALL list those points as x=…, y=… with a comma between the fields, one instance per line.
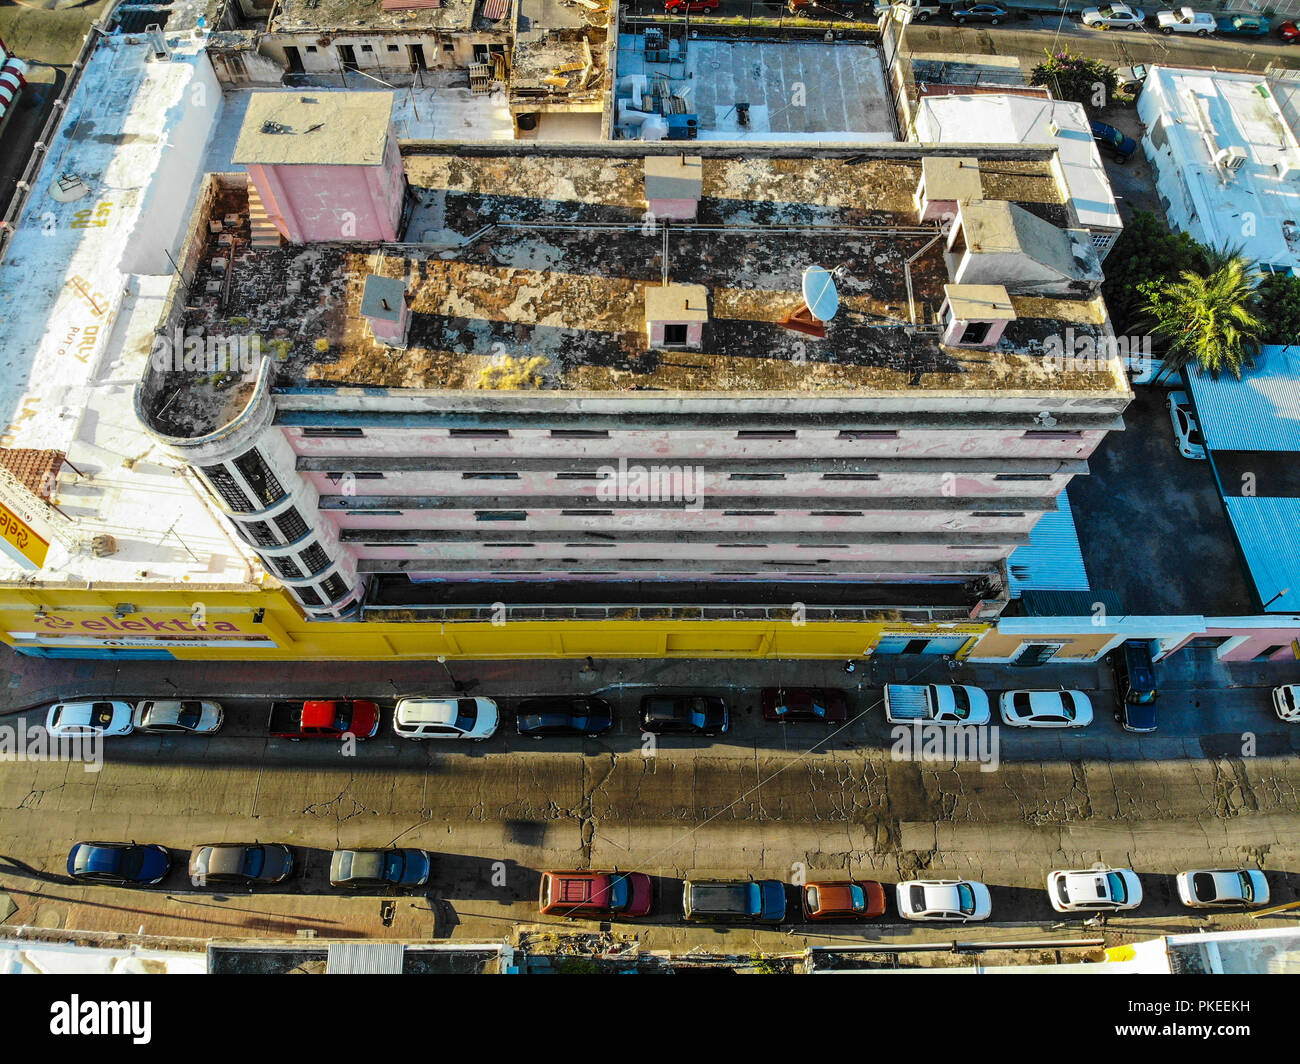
x=1191, y=444
x=178, y=717
x=73, y=719
x=1205, y=889
x=1185, y=20
x=1045, y=709
x=1094, y=889
x=1286, y=702
x=961, y=900
x=445, y=718
x=1114, y=17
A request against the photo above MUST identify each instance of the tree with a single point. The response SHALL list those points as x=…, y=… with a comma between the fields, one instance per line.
x=1279, y=309
x=1208, y=318
x=1076, y=77
x=1146, y=256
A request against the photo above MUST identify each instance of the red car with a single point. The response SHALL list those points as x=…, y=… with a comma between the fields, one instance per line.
x=805, y=703
x=851, y=900
x=323, y=720
x=1289, y=33
x=676, y=7
x=595, y=894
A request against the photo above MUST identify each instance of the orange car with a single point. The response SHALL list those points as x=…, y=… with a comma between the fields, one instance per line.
x=845, y=900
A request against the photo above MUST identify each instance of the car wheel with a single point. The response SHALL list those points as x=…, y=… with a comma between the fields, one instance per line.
x=924, y=16
x=1167, y=31
x=960, y=21
x=1202, y=33
x=993, y=22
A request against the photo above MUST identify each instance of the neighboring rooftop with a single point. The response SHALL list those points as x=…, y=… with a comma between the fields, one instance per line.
x=339, y=128
x=544, y=285
x=370, y=15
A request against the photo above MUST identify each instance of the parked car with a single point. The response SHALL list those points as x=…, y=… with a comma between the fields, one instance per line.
x=1186, y=20
x=962, y=13
x=783, y=704
x=539, y=717
x=249, y=864
x=1286, y=702
x=186, y=715
x=1244, y=26
x=734, y=902
x=1045, y=709
x=380, y=868
x=1289, y=32
x=960, y=900
x=921, y=10
x=1113, y=142
x=1222, y=886
x=595, y=894
x=1187, y=433
x=71, y=720
x=696, y=7
x=1094, y=890
x=123, y=863
x=334, y=718
x=445, y=718
x=1135, y=685
x=848, y=900
x=689, y=714
x=949, y=704
x=1114, y=17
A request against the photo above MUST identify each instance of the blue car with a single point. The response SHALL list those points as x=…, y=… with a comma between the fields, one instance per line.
x=1113, y=142
x=539, y=717
x=121, y=863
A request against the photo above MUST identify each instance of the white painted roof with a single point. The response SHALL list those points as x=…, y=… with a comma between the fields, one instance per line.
x=1201, y=109
x=989, y=118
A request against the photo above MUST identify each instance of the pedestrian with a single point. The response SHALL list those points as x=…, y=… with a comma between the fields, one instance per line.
x=850, y=667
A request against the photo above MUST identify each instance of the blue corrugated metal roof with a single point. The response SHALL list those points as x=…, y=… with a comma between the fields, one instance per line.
x=1260, y=412
x=1051, y=560
x=1269, y=533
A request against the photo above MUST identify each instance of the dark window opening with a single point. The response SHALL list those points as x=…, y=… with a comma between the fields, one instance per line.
x=587, y=513
x=757, y=476
x=259, y=477
x=997, y=513
x=577, y=476
x=315, y=558
x=480, y=434
x=500, y=515
x=307, y=596
x=489, y=476
x=225, y=486
x=258, y=533
x=850, y=476
x=286, y=568
x=1023, y=476
x=336, y=476
x=674, y=335
x=1052, y=434
x=868, y=434
x=373, y=513
x=334, y=588
x=766, y=434
x=976, y=332
x=328, y=431
x=836, y=513
x=579, y=434
x=748, y=513
x=291, y=525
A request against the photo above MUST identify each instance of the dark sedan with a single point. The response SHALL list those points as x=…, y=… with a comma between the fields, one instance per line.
x=684, y=714
x=121, y=863
x=805, y=703
x=990, y=13
x=541, y=717
x=1113, y=142
x=248, y=864
x=380, y=868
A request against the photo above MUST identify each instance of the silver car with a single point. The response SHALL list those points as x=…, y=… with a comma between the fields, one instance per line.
x=186, y=715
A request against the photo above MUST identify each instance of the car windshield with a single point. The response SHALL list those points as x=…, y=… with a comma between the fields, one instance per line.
x=620, y=892
x=466, y=714
x=190, y=714
x=965, y=898
x=254, y=859
x=754, y=897
x=394, y=866
x=859, y=896
x=102, y=714
x=1247, y=887
x=1117, y=891
x=131, y=861
x=961, y=700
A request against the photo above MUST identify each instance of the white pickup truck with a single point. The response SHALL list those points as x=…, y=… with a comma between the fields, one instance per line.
x=935, y=704
x=921, y=10
x=1185, y=20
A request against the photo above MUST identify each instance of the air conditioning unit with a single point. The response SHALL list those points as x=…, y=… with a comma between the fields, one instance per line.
x=1288, y=170
x=1231, y=158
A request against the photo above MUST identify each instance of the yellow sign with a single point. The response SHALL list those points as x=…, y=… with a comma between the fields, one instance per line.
x=20, y=541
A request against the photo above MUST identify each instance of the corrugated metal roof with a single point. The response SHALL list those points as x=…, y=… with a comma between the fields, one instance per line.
x=1051, y=560
x=364, y=958
x=1260, y=412
x=1070, y=603
x=1269, y=533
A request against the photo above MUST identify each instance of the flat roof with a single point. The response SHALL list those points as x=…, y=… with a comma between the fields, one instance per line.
x=545, y=260
x=979, y=301
x=314, y=128
x=1018, y=119
x=951, y=178
x=363, y=17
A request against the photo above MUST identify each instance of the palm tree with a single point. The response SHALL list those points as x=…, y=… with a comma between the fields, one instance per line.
x=1209, y=319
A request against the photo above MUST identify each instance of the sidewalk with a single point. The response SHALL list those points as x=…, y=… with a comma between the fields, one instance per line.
x=27, y=682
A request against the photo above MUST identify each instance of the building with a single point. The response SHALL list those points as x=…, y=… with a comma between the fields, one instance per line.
x=1014, y=118
x=1226, y=161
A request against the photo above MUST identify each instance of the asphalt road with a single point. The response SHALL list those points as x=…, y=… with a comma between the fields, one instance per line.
x=773, y=801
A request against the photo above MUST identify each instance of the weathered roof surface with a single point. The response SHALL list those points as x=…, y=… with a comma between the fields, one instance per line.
x=677, y=302
x=336, y=128
x=382, y=297
x=949, y=178
x=674, y=176
x=363, y=15
x=980, y=301
x=999, y=226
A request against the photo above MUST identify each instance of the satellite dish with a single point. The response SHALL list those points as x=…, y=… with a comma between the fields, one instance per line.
x=819, y=293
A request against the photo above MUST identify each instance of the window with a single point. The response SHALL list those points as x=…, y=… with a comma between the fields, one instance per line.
x=394, y=48
x=448, y=46
x=997, y=513
x=258, y=533
x=336, y=476
x=766, y=434
x=291, y=525
x=489, y=476
x=577, y=476
x=315, y=558
x=307, y=596
x=674, y=335
x=975, y=332
x=285, y=567
x=1036, y=653
x=850, y=476
x=388, y=544
x=331, y=431
x=516, y=545
x=311, y=49
x=1023, y=476
x=226, y=487
x=743, y=546
x=500, y=515
x=836, y=513
x=867, y=434
x=373, y=513
x=757, y=476
x=748, y=513
x=334, y=588
x=579, y=434
x=583, y=546
x=1052, y=434
x=259, y=477
x=367, y=48
x=587, y=513
x=480, y=434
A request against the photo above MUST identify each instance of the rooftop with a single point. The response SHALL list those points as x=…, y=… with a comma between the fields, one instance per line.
x=340, y=128
x=369, y=15
x=544, y=286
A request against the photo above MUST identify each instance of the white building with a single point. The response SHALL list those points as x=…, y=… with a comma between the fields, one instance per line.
x=1226, y=161
x=1018, y=119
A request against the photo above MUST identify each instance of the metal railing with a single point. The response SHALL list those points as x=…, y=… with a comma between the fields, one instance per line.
x=498, y=614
